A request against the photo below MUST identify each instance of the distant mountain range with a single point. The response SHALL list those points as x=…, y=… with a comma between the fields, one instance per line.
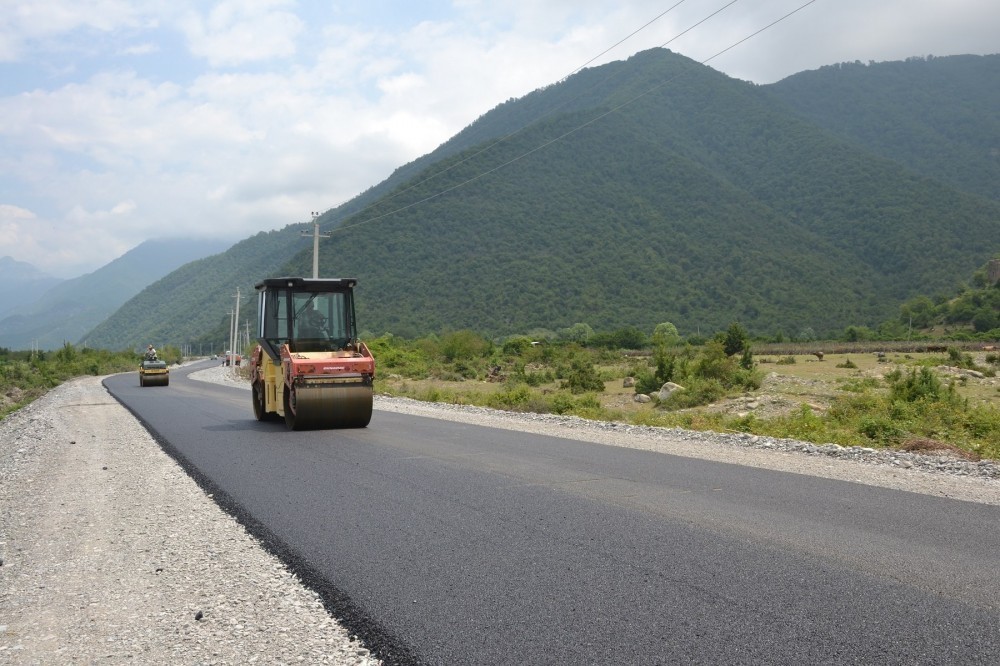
x=649, y=190
x=68, y=309
x=23, y=283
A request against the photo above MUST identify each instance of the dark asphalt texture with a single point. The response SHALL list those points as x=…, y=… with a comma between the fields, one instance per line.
x=444, y=543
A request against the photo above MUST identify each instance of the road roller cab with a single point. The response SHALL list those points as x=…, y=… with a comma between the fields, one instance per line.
x=309, y=367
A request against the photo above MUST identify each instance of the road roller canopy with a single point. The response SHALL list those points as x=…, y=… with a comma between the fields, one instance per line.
x=306, y=314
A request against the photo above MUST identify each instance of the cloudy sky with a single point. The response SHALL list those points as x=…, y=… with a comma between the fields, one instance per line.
x=122, y=121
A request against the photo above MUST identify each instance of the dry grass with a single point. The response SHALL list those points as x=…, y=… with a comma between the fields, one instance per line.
x=935, y=447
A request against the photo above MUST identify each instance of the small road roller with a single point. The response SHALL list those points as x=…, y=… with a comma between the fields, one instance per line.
x=153, y=373
x=309, y=367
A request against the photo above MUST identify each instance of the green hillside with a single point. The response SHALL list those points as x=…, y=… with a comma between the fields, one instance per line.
x=650, y=190
x=937, y=116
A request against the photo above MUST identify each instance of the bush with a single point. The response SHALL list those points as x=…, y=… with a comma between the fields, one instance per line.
x=646, y=382
x=561, y=404
x=516, y=346
x=513, y=398
x=464, y=345
x=697, y=392
x=881, y=430
x=917, y=385
x=736, y=339
x=582, y=377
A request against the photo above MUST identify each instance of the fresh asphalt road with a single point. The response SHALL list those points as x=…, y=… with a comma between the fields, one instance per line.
x=446, y=543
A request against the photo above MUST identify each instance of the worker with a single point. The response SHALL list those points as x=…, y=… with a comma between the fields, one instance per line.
x=150, y=353
x=313, y=323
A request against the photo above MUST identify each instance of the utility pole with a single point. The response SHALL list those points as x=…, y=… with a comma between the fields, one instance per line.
x=236, y=328
x=227, y=356
x=316, y=235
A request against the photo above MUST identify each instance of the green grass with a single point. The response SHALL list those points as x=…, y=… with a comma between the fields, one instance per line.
x=26, y=376
x=868, y=401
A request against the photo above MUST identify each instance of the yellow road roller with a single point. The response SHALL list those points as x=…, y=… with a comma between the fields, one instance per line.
x=154, y=373
x=309, y=367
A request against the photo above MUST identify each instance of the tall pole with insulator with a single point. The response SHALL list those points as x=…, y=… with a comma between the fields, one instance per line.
x=316, y=236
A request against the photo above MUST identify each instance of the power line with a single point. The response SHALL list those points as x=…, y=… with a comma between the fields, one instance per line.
x=575, y=129
x=543, y=116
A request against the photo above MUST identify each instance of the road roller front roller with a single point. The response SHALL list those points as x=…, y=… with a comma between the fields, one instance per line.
x=309, y=367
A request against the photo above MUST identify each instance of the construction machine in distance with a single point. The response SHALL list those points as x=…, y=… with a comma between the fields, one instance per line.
x=309, y=366
x=153, y=373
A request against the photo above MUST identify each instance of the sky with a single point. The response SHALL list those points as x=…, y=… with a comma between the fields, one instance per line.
x=123, y=121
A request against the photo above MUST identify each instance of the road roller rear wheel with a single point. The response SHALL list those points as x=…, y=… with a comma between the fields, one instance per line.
x=289, y=400
x=259, y=408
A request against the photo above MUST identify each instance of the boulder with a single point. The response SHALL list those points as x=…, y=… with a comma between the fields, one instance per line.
x=668, y=389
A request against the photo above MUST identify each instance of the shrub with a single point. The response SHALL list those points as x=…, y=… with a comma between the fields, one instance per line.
x=561, y=404
x=881, y=430
x=736, y=339
x=917, y=385
x=582, y=377
x=859, y=385
x=513, y=398
x=646, y=382
x=697, y=391
x=464, y=345
x=516, y=346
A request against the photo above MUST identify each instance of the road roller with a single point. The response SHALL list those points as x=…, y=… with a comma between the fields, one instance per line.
x=153, y=373
x=309, y=366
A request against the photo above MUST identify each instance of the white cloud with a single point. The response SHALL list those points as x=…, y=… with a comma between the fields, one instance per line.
x=236, y=32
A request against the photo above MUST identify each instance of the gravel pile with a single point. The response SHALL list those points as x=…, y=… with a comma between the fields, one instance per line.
x=110, y=553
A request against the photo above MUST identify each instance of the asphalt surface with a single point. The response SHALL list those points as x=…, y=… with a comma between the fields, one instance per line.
x=445, y=543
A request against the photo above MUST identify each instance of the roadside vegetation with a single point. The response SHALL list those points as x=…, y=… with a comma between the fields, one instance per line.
x=899, y=400
x=924, y=381
x=27, y=375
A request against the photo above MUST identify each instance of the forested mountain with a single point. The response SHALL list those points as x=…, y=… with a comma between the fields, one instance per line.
x=71, y=308
x=937, y=116
x=649, y=190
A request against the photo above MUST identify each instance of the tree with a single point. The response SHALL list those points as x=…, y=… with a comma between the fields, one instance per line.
x=578, y=332
x=985, y=320
x=735, y=340
x=583, y=377
x=665, y=334
x=858, y=333
x=463, y=345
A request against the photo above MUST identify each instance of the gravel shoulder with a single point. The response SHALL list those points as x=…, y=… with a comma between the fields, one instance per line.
x=110, y=553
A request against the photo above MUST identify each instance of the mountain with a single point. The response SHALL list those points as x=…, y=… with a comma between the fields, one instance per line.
x=68, y=310
x=23, y=283
x=939, y=117
x=648, y=190
x=182, y=306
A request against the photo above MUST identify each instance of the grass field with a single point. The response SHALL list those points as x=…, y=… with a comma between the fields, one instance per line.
x=801, y=396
